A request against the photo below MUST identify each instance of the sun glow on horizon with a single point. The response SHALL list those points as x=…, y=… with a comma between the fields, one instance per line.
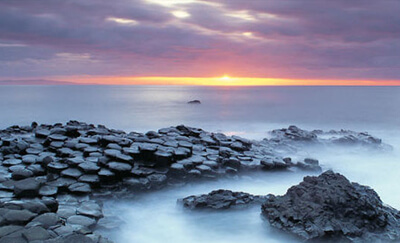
x=219, y=81
x=225, y=78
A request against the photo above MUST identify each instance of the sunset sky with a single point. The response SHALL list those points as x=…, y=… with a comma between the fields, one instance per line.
x=207, y=42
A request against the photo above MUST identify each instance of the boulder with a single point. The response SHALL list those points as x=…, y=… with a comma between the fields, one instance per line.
x=330, y=207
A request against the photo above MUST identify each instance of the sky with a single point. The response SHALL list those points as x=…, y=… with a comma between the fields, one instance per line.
x=209, y=42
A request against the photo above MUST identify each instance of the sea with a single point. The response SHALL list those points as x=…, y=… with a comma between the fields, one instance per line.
x=249, y=112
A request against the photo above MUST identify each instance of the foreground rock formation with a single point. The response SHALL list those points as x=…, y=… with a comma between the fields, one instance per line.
x=221, y=199
x=75, y=164
x=329, y=207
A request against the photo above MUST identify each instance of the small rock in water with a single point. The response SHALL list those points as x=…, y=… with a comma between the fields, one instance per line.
x=195, y=102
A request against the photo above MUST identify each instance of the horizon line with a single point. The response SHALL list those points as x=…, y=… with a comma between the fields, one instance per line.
x=193, y=81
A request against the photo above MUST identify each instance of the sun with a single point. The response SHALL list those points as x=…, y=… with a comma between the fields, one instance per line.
x=225, y=78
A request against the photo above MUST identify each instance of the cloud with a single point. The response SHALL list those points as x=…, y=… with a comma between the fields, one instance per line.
x=289, y=39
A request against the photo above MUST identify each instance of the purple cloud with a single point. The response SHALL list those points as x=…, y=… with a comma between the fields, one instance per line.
x=279, y=39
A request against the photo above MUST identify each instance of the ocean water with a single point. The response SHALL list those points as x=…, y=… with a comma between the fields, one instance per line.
x=246, y=111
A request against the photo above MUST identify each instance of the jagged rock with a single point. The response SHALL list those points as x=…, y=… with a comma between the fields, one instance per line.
x=220, y=199
x=329, y=207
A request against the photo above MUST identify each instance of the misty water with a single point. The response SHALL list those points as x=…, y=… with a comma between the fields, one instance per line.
x=246, y=111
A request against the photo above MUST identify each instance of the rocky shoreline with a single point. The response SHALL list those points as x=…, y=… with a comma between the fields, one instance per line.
x=52, y=176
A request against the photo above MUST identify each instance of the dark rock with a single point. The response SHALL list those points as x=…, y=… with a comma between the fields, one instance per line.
x=27, y=187
x=46, y=220
x=41, y=133
x=11, y=162
x=296, y=134
x=106, y=175
x=119, y=167
x=177, y=170
x=194, y=102
x=91, y=179
x=220, y=199
x=29, y=159
x=157, y=180
x=48, y=191
x=71, y=172
x=163, y=158
x=9, y=229
x=51, y=204
x=329, y=207
x=89, y=167
x=18, y=217
x=56, y=167
x=21, y=174
x=81, y=220
x=73, y=238
x=90, y=209
x=276, y=163
x=80, y=187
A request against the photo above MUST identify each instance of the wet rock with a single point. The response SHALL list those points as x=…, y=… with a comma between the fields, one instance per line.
x=177, y=170
x=27, y=187
x=56, y=167
x=36, y=234
x=220, y=199
x=9, y=229
x=41, y=133
x=11, y=162
x=46, y=220
x=18, y=217
x=119, y=167
x=71, y=172
x=90, y=209
x=106, y=175
x=21, y=174
x=80, y=187
x=91, y=179
x=329, y=207
x=276, y=163
x=157, y=180
x=81, y=220
x=89, y=167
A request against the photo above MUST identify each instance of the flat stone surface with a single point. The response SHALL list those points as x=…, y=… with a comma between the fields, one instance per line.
x=71, y=172
x=36, y=233
x=90, y=209
x=27, y=187
x=119, y=167
x=81, y=220
x=18, y=217
x=89, y=167
x=8, y=229
x=80, y=187
x=47, y=220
